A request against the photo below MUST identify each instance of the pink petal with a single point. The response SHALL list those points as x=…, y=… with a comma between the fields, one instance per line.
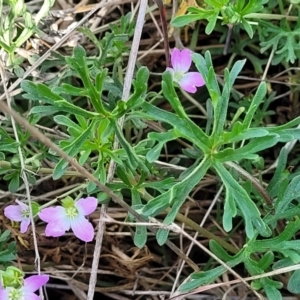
x=181, y=60
x=56, y=229
x=190, y=81
x=33, y=283
x=82, y=228
x=23, y=205
x=24, y=225
x=14, y=213
x=31, y=296
x=58, y=221
x=87, y=205
x=3, y=292
x=50, y=213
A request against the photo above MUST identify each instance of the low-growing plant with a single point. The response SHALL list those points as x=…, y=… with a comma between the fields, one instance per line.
x=230, y=146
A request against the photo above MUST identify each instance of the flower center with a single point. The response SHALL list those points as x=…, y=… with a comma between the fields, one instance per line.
x=25, y=213
x=178, y=76
x=71, y=212
x=15, y=294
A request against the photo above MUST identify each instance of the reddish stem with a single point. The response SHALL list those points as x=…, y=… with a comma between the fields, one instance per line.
x=162, y=12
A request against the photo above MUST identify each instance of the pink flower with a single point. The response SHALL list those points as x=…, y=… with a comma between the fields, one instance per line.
x=26, y=291
x=181, y=62
x=19, y=213
x=70, y=215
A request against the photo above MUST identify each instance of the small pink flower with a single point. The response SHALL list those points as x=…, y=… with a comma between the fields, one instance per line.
x=26, y=291
x=70, y=215
x=181, y=63
x=19, y=213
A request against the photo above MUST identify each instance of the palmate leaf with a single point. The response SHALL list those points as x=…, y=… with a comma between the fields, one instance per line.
x=282, y=39
x=248, y=208
x=78, y=62
x=177, y=194
x=219, y=100
x=175, y=197
x=185, y=127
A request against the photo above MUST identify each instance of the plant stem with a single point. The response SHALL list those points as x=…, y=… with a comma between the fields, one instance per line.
x=270, y=17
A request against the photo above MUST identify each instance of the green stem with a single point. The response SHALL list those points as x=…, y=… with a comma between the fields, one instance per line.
x=79, y=187
x=270, y=17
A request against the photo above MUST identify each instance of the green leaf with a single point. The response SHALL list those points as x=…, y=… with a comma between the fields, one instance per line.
x=196, y=14
x=203, y=65
x=185, y=128
x=9, y=147
x=84, y=155
x=133, y=160
x=140, y=88
x=234, y=72
x=202, y=278
x=161, y=185
x=248, y=208
x=238, y=134
x=277, y=243
x=279, y=174
x=256, y=101
x=293, y=284
x=65, y=121
x=72, y=149
x=137, y=98
x=4, y=236
x=230, y=154
x=163, y=138
x=175, y=197
x=282, y=263
x=266, y=261
x=219, y=251
x=230, y=210
x=283, y=39
x=87, y=32
x=259, y=144
x=162, y=236
x=182, y=21
x=271, y=288
x=39, y=92
x=6, y=47
x=73, y=109
x=254, y=6
x=9, y=257
x=44, y=110
x=288, y=125
x=79, y=63
x=140, y=236
x=124, y=176
x=171, y=95
x=177, y=194
x=220, y=107
x=247, y=27
x=69, y=90
x=291, y=192
x=212, y=20
x=14, y=183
